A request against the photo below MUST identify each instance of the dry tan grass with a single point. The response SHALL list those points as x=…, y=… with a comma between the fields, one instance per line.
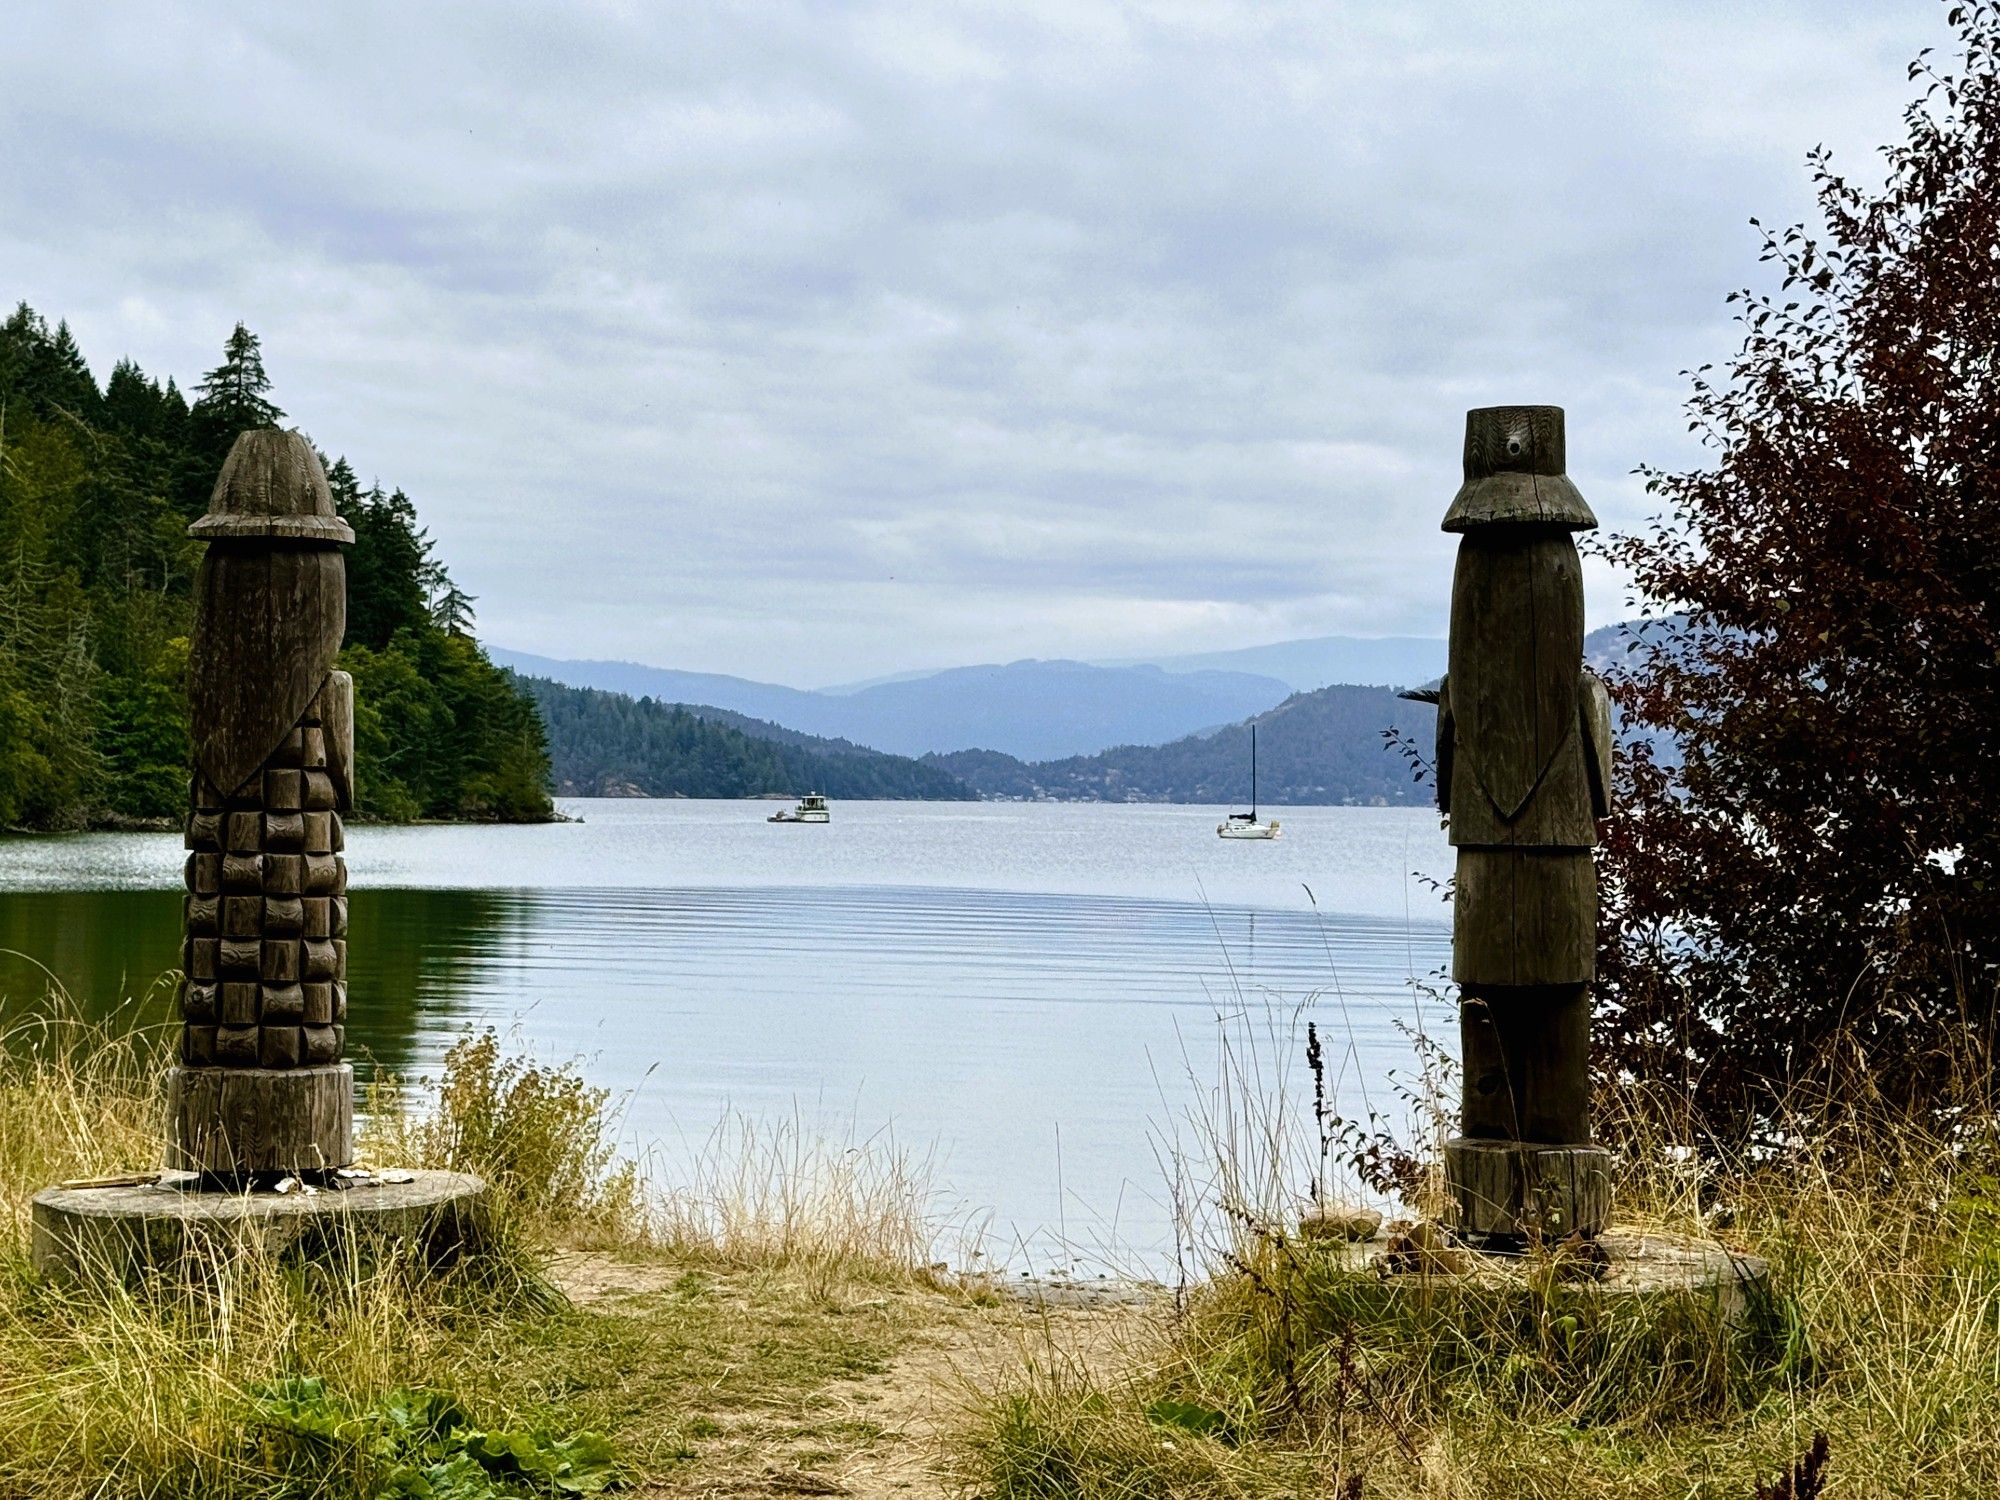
x=1288, y=1375
x=772, y=1276
x=753, y=1194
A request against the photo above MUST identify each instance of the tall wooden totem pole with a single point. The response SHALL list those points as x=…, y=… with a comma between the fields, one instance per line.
x=1524, y=772
x=261, y=1088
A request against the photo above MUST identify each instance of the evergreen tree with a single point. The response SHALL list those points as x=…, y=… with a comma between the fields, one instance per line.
x=68, y=384
x=127, y=407
x=451, y=609
x=96, y=574
x=236, y=394
x=231, y=399
x=44, y=374
x=173, y=416
x=389, y=567
x=133, y=405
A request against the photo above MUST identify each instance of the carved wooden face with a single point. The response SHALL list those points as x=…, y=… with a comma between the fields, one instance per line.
x=1514, y=440
x=1514, y=475
x=1516, y=642
x=269, y=618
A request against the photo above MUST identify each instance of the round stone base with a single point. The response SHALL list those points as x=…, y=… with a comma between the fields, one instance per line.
x=1582, y=1332
x=1641, y=1264
x=177, y=1226
x=1626, y=1264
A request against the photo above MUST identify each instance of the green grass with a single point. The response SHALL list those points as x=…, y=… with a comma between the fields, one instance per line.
x=1286, y=1371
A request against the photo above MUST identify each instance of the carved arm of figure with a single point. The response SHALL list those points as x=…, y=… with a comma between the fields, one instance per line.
x=1439, y=698
x=336, y=716
x=1446, y=737
x=1594, y=713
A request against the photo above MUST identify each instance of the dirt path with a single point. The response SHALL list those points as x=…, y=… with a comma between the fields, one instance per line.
x=935, y=1384
x=881, y=1435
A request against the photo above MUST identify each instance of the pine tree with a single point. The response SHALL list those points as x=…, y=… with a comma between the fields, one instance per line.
x=67, y=383
x=451, y=608
x=96, y=575
x=44, y=374
x=173, y=418
x=132, y=403
x=231, y=399
x=389, y=567
x=236, y=393
x=343, y=483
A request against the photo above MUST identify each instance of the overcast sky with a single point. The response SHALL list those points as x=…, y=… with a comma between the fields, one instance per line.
x=814, y=342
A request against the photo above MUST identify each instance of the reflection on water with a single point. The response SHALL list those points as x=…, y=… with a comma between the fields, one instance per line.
x=1034, y=1036
x=412, y=959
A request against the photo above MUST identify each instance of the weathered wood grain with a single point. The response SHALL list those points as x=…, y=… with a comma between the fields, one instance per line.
x=335, y=710
x=1524, y=917
x=1523, y=775
x=1514, y=472
x=267, y=626
x=272, y=486
x=1516, y=642
x=1515, y=440
x=1599, y=743
x=1507, y=1191
x=1446, y=767
x=261, y=1089
x=1527, y=1064
x=230, y=1122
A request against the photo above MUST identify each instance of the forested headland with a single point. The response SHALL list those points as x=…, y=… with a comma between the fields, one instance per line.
x=610, y=744
x=97, y=488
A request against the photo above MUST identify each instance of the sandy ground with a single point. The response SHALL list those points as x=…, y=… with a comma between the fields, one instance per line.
x=898, y=1420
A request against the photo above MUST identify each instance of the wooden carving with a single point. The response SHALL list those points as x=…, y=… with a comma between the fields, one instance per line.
x=1523, y=759
x=262, y=1088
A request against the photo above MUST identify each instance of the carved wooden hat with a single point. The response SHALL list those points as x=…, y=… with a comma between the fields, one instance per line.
x=1514, y=472
x=270, y=602
x=272, y=485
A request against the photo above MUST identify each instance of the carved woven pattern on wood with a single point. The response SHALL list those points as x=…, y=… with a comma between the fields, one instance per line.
x=266, y=915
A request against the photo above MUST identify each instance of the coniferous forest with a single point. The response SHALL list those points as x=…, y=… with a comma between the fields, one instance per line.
x=609, y=744
x=97, y=488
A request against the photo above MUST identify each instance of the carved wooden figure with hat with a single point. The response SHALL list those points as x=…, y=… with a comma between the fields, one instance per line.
x=1524, y=772
x=261, y=1088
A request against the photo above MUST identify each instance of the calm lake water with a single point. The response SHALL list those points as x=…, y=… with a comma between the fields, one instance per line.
x=1033, y=992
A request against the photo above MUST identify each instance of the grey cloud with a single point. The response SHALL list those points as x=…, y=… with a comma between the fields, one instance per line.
x=820, y=341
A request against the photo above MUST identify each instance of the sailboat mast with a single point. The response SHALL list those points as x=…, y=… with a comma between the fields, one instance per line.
x=1253, y=773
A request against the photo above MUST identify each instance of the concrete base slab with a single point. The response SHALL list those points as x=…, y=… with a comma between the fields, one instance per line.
x=176, y=1225
x=1641, y=1263
x=1621, y=1263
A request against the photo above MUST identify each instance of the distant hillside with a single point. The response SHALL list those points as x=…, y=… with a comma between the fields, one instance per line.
x=1033, y=709
x=1319, y=747
x=1397, y=661
x=1041, y=709
x=610, y=744
x=764, y=729
x=763, y=700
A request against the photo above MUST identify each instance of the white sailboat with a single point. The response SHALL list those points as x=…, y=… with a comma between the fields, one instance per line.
x=1245, y=825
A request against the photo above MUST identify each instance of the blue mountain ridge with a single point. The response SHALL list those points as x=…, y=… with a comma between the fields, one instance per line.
x=1153, y=732
x=1036, y=710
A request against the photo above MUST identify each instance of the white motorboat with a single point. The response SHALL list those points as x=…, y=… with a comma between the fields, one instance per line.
x=1246, y=825
x=809, y=810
